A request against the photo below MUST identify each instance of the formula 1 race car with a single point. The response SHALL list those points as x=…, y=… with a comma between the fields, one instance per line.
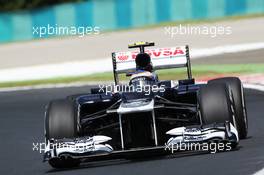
x=145, y=116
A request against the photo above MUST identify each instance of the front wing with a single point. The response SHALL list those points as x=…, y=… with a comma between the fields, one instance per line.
x=96, y=146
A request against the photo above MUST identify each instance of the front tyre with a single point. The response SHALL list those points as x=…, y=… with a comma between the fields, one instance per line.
x=214, y=104
x=236, y=87
x=61, y=122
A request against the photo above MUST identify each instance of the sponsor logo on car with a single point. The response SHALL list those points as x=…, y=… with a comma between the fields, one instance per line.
x=154, y=53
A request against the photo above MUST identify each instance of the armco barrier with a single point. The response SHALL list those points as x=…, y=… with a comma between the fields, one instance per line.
x=118, y=14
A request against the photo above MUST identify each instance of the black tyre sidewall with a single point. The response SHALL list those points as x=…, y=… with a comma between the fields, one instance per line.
x=61, y=120
x=214, y=104
x=236, y=87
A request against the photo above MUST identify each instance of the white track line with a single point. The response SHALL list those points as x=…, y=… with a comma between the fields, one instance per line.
x=258, y=87
x=199, y=53
x=260, y=172
x=79, y=68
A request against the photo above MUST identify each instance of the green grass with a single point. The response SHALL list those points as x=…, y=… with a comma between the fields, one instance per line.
x=198, y=71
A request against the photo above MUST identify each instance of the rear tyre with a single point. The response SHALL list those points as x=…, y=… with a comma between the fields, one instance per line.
x=214, y=104
x=236, y=87
x=61, y=122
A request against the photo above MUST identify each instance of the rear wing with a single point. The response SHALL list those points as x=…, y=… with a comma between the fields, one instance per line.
x=161, y=58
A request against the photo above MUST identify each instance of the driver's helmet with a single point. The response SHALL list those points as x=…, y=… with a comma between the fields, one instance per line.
x=144, y=75
x=143, y=62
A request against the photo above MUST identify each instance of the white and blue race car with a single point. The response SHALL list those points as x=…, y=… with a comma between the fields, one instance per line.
x=146, y=115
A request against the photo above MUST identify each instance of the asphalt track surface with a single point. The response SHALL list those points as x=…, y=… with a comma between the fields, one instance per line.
x=21, y=124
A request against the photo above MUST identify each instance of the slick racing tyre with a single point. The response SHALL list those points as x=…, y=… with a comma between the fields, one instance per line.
x=61, y=122
x=236, y=87
x=214, y=104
